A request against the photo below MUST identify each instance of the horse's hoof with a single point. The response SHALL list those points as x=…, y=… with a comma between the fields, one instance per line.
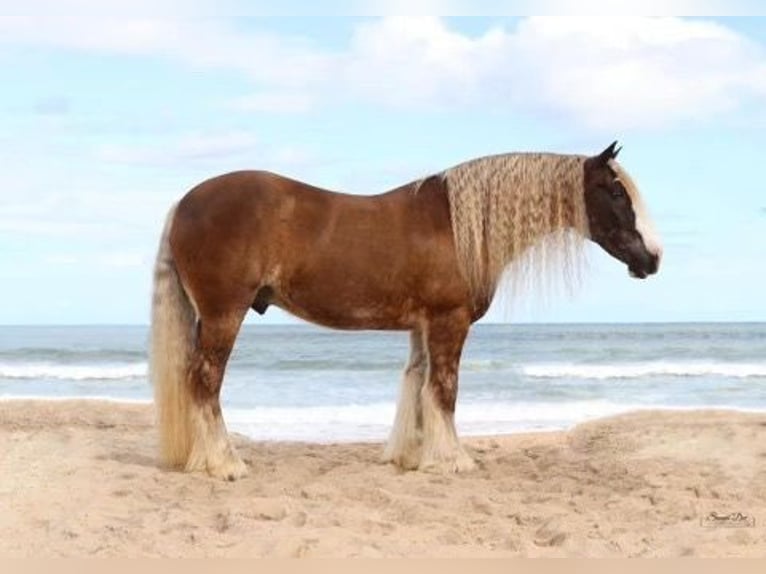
x=460, y=463
x=407, y=461
x=231, y=470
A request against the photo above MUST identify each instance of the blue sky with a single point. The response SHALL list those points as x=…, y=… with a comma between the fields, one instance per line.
x=107, y=118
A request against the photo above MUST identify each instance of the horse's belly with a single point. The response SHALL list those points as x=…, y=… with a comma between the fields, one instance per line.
x=350, y=310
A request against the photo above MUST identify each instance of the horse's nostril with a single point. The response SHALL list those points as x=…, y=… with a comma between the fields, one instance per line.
x=654, y=263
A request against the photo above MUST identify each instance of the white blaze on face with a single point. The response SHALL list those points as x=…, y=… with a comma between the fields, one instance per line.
x=644, y=224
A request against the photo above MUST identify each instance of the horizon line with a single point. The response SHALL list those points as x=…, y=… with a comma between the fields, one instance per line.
x=477, y=324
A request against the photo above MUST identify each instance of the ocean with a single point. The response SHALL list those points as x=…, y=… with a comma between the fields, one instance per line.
x=300, y=382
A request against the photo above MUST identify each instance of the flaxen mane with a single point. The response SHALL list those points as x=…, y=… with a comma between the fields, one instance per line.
x=526, y=210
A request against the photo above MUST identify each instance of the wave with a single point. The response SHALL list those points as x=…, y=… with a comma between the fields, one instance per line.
x=353, y=364
x=335, y=364
x=100, y=372
x=373, y=421
x=640, y=370
x=72, y=355
x=138, y=370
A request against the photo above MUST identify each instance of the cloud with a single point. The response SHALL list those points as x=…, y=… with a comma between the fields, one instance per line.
x=211, y=41
x=52, y=106
x=615, y=73
x=122, y=259
x=62, y=259
x=366, y=8
x=43, y=227
x=111, y=259
x=420, y=62
x=207, y=152
x=638, y=72
x=189, y=147
x=273, y=102
x=97, y=206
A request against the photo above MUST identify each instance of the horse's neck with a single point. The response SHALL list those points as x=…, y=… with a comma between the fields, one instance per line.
x=505, y=208
x=541, y=198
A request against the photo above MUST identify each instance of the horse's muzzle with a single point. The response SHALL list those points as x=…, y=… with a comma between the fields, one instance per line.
x=647, y=267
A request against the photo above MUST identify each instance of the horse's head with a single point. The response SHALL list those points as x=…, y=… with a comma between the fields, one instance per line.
x=617, y=219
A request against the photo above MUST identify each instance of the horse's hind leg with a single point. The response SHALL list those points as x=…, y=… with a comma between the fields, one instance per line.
x=403, y=448
x=441, y=449
x=211, y=449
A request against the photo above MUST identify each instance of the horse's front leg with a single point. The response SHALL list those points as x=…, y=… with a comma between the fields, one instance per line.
x=441, y=451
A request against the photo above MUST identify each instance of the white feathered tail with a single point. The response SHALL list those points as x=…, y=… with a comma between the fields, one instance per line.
x=172, y=340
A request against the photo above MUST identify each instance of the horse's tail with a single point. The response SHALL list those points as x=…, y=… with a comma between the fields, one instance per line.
x=172, y=344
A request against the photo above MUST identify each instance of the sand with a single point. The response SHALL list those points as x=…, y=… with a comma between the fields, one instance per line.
x=81, y=479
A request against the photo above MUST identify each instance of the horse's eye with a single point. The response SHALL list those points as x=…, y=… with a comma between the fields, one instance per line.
x=615, y=193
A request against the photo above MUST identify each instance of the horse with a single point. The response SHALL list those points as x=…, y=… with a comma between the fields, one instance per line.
x=427, y=257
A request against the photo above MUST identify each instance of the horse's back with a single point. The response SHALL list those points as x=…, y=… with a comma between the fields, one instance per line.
x=241, y=192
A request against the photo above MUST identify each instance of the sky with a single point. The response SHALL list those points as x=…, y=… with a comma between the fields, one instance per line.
x=108, y=116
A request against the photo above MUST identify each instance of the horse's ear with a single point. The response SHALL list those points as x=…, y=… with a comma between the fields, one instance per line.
x=609, y=153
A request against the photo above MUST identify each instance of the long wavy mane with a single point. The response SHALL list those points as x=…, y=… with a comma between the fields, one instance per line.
x=523, y=213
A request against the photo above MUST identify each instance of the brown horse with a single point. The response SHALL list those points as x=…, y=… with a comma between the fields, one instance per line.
x=426, y=257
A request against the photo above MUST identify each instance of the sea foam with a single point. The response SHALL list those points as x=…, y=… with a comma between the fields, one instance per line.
x=100, y=372
x=649, y=369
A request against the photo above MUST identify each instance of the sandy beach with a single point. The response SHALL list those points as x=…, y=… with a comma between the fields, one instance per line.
x=81, y=479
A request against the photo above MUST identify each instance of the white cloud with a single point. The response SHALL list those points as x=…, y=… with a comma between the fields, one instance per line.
x=122, y=259
x=62, y=259
x=637, y=72
x=419, y=61
x=52, y=106
x=110, y=259
x=193, y=146
x=274, y=102
x=207, y=152
x=41, y=226
x=194, y=41
x=603, y=72
x=556, y=7
x=618, y=73
x=345, y=8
